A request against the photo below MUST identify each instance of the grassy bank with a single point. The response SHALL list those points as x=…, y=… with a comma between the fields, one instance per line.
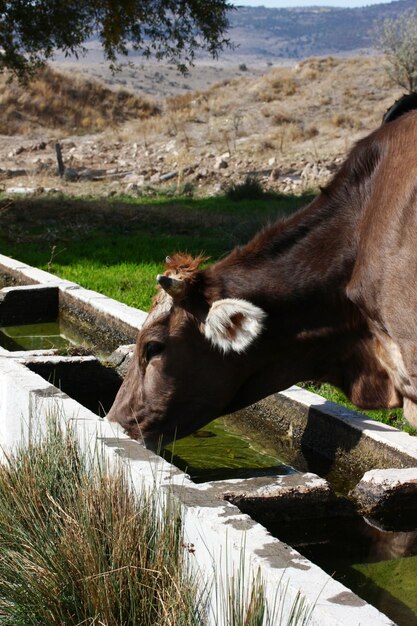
x=393, y=417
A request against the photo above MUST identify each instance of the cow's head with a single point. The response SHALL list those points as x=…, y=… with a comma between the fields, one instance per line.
x=191, y=357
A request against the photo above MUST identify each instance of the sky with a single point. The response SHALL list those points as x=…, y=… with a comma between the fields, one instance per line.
x=306, y=3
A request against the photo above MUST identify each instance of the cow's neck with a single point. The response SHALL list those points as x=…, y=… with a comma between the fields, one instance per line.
x=297, y=271
x=301, y=264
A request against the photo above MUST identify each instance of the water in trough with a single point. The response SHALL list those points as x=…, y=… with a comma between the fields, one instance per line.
x=56, y=335
x=379, y=566
x=44, y=336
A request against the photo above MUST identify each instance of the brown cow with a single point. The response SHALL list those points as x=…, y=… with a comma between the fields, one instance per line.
x=328, y=294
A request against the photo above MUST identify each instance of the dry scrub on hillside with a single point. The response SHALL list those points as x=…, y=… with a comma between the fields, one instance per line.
x=55, y=100
x=315, y=109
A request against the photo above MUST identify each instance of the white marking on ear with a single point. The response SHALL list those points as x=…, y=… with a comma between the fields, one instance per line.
x=233, y=324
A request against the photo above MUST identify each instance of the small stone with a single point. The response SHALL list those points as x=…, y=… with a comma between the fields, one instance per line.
x=220, y=164
x=90, y=174
x=15, y=173
x=170, y=146
x=121, y=358
x=287, y=498
x=24, y=190
x=134, y=188
x=38, y=146
x=306, y=171
x=136, y=179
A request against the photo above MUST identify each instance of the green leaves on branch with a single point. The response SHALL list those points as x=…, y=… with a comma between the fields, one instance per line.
x=174, y=30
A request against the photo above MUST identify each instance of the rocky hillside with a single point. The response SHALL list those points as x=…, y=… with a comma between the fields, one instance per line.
x=262, y=34
x=310, y=31
x=289, y=128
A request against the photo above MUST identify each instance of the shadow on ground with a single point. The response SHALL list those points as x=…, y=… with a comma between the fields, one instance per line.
x=112, y=231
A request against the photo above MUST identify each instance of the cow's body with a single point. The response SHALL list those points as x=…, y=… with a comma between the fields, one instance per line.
x=329, y=294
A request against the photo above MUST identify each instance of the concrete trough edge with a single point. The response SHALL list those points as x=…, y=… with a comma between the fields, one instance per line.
x=132, y=318
x=383, y=434
x=220, y=535
x=15, y=301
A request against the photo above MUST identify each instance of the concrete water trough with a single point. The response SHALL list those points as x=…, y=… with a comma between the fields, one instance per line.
x=225, y=520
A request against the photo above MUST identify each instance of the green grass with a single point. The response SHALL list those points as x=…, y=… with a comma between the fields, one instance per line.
x=393, y=417
x=118, y=246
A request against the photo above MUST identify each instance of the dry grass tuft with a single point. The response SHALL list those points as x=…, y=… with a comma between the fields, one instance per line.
x=79, y=547
x=72, y=104
x=283, y=117
x=342, y=120
x=277, y=84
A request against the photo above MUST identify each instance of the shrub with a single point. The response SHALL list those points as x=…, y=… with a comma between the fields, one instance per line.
x=397, y=39
x=250, y=189
x=282, y=117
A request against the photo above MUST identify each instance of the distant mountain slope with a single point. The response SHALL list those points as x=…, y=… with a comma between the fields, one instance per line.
x=308, y=31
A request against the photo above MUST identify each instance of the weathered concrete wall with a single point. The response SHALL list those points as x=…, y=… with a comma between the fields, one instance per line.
x=28, y=305
x=389, y=497
x=344, y=437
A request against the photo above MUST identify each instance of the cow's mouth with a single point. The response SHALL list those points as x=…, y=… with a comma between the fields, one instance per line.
x=154, y=441
x=156, y=436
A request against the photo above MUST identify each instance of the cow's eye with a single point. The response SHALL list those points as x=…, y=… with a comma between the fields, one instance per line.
x=153, y=348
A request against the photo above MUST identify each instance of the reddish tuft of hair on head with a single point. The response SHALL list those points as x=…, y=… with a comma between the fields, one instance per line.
x=184, y=265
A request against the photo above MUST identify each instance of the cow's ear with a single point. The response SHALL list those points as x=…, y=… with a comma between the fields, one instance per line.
x=232, y=324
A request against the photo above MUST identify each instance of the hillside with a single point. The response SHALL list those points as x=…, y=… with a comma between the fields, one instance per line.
x=66, y=103
x=289, y=128
x=263, y=34
x=296, y=33
x=263, y=37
